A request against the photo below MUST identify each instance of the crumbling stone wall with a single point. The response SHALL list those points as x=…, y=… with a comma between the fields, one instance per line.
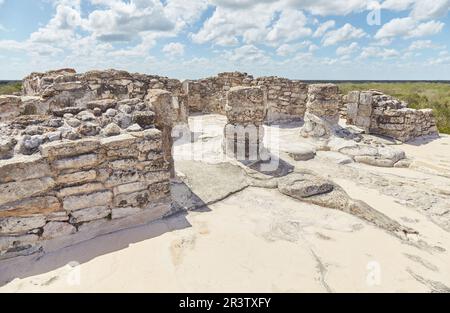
x=74, y=172
x=65, y=89
x=208, y=95
x=381, y=114
x=286, y=99
x=76, y=190
x=322, y=114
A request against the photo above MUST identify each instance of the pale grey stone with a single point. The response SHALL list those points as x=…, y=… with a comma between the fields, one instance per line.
x=16, y=242
x=18, y=225
x=82, y=161
x=302, y=186
x=14, y=191
x=111, y=129
x=69, y=148
x=73, y=203
x=80, y=189
x=23, y=167
x=77, y=177
x=54, y=136
x=57, y=229
x=117, y=213
x=89, y=214
x=134, y=128
x=302, y=153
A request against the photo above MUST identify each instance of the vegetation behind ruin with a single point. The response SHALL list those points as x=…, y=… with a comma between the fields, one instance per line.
x=421, y=95
x=10, y=88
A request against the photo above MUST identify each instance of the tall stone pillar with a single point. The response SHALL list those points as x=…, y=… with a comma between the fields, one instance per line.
x=322, y=111
x=161, y=102
x=246, y=109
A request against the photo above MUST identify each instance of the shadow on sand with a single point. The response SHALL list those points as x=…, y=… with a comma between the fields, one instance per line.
x=85, y=251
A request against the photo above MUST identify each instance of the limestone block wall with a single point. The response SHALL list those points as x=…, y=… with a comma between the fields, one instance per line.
x=75, y=190
x=208, y=95
x=286, y=99
x=381, y=114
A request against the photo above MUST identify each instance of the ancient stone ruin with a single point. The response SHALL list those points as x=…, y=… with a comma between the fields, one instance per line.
x=86, y=154
x=381, y=114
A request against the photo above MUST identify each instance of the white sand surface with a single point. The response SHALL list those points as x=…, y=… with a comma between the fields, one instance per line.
x=258, y=240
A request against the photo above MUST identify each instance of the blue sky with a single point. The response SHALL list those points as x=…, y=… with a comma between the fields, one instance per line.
x=301, y=39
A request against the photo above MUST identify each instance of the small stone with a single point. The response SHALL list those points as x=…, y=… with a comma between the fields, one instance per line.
x=73, y=122
x=123, y=120
x=302, y=153
x=145, y=119
x=7, y=148
x=89, y=129
x=55, y=122
x=54, y=136
x=86, y=116
x=134, y=128
x=30, y=144
x=405, y=163
x=111, y=129
x=97, y=112
x=71, y=135
x=125, y=108
x=111, y=112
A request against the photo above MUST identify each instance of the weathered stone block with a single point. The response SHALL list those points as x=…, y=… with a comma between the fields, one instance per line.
x=118, y=142
x=117, y=213
x=16, y=243
x=130, y=188
x=78, y=177
x=353, y=96
x=23, y=168
x=89, y=214
x=21, y=225
x=365, y=98
x=63, y=149
x=81, y=189
x=79, y=162
x=15, y=191
x=57, y=229
x=73, y=203
x=41, y=205
x=126, y=177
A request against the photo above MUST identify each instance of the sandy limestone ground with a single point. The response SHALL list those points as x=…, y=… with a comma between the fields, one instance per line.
x=253, y=239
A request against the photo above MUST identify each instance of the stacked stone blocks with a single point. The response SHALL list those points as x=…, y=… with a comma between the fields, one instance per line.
x=74, y=186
